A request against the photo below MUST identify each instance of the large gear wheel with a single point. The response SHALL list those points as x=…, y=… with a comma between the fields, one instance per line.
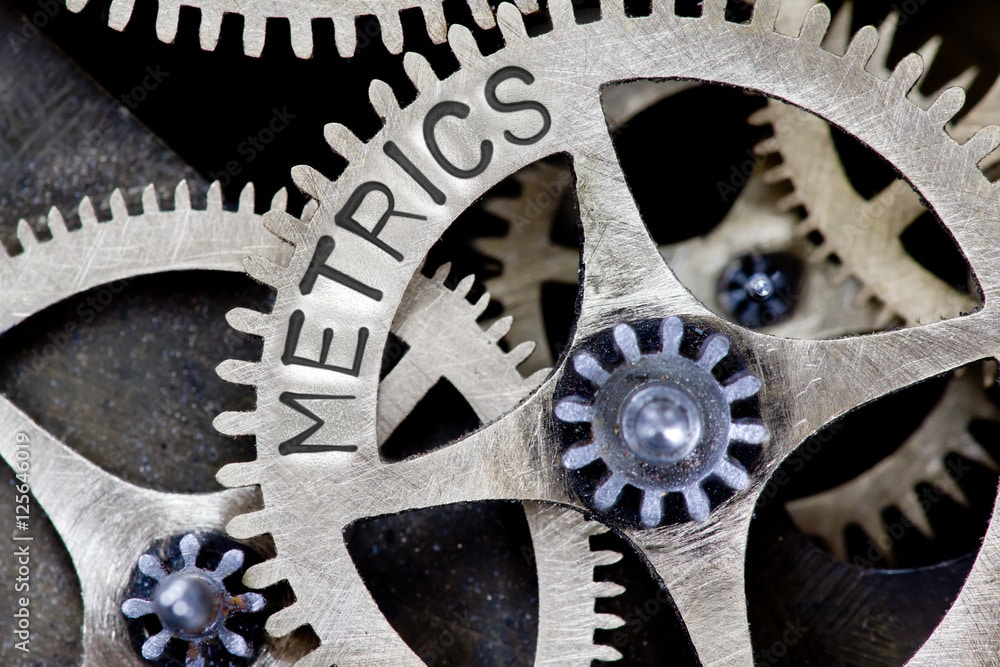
x=300, y=15
x=186, y=238
x=353, y=260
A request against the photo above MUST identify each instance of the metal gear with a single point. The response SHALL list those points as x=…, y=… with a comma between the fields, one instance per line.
x=185, y=238
x=660, y=422
x=418, y=169
x=193, y=604
x=892, y=481
x=300, y=15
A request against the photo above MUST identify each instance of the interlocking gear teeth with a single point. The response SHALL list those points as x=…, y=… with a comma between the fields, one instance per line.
x=892, y=481
x=660, y=422
x=796, y=71
x=300, y=15
x=193, y=604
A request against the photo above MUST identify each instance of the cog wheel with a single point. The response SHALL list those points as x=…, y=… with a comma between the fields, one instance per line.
x=920, y=459
x=869, y=249
x=193, y=604
x=300, y=15
x=185, y=238
x=660, y=422
x=405, y=185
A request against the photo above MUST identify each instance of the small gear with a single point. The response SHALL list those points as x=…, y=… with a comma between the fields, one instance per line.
x=661, y=422
x=193, y=604
x=300, y=15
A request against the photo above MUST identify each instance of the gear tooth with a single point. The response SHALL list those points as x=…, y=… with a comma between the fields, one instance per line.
x=479, y=307
x=441, y=273
x=864, y=295
x=562, y=15
x=85, y=211
x=237, y=371
x=815, y=25
x=520, y=354
x=527, y=6
x=182, y=197
x=608, y=621
x=714, y=10
x=345, y=34
x=909, y=505
x=983, y=143
x=392, y=32
x=248, y=321
x=790, y=202
x=765, y=13
x=311, y=182
x=605, y=653
x=279, y=202
x=265, y=574
x=214, y=197
x=150, y=203
x=511, y=24
x=761, y=117
x=909, y=70
x=748, y=431
x=608, y=589
x=777, y=174
x=609, y=491
x=435, y=22
x=928, y=51
x=947, y=104
x=464, y=46
x=419, y=71
x=237, y=475
x=119, y=211
x=963, y=81
x=302, y=38
x=284, y=621
x=246, y=200
x=235, y=424
x=264, y=271
x=465, y=285
x=285, y=226
x=254, y=34
x=947, y=484
x=696, y=501
x=871, y=524
x=76, y=6
x=578, y=456
x=251, y=524
x=167, y=18
x=612, y=10
x=57, y=224
x=25, y=234
x=769, y=146
x=211, y=26
x=481, y=13
x=344, y=142
x=602, y=558
x=119, y=13
x=500, y=328
x=382, y=98
x=863, y=46
x=820, y=252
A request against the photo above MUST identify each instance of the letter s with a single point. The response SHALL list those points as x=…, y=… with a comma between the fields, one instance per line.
x=527, y=77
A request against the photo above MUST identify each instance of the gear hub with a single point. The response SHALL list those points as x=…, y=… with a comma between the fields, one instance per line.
x=193, y=604
x=660, y=422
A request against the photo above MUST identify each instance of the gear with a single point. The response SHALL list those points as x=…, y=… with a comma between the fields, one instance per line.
x=402, y=188
x=824, y=308
x=660, y=422
x=184, y=238
x=300, y=15
x=193, y=604
x=869, y=249
x=919, y=460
